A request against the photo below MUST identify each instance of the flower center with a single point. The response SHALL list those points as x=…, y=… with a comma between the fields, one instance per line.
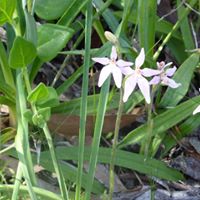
x=137, y=71
x=112, y=62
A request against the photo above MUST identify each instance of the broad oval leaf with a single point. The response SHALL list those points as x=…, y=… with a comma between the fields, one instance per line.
x=39, y=93
x=51, y=39
x=183, y=76
x=22, y=53
x=7, y=8
x=51, y=100
x=46, y=9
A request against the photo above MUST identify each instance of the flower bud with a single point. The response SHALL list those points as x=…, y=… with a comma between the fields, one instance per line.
x=111, y=37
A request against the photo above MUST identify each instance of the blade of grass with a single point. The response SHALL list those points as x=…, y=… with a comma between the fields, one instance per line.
x=61, y=180
x=72, y=11
x=47, y=134
x=185, y=129
x=45, y=194
x=21, y=108
x=175, y=27
x=146, y=24
x=97, y=135
x=185, y=28
x=22, y=138
x=162, y=122
x=83, y=109
x=161, y=26
x=124, y=159
x=177, y=49
x=17, y=183
x=5, y=67
x=107, y=15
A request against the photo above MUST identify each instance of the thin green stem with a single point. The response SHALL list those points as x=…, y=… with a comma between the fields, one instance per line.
x=148, y=138
x=7, y=148
x=150, y=129
x=103, y=99
x=44, y=194
x=114, y=146
x=17, y=184
x=58, y=171
x=83, y=109
x=22, y=139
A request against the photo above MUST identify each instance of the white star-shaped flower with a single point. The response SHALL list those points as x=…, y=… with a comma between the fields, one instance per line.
x=112, y=66
x=136, y=77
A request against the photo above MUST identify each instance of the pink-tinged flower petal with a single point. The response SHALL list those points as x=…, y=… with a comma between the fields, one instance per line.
x=127, y=70
x=170, y=72
x=155, y=80
x=160, y=65
x=170, y=82
x=129, y=86
x=103, y=61
x=150, y=72
x=144, y=88
x=168, y=64
x=117, y=75
x=140, y=59
x=113, y=55
x=122, y=63
x=197, y=110
x=105, y=72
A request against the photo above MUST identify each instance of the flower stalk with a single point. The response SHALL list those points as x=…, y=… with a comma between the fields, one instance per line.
x=114, y=146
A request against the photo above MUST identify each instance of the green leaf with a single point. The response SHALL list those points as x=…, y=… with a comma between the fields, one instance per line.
x=7, y=8
x=8, y=91
x=185, y=28
x=183, y=76
x=39, y=93
x=51, y=100
x=45, y=112
x=69, y=171
x=41, y=117
x=124, y=159
x=22, y=53
x=185, y=129
x=162, y=122
x=73, y=106
x=161, y=26
x=7, y=134
x=28, y=114
x=5, y=69
x=46, y=9
x=41, y=193
x=73, y=9
x=146, y=24
x=177, y=49
x=107, y=15
x=51, y=39
x=31, y=29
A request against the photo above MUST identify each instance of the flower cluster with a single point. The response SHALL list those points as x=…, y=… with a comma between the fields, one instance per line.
x=137, y=76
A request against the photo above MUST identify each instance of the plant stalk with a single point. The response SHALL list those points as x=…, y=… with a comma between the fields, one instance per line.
x=114, y=147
